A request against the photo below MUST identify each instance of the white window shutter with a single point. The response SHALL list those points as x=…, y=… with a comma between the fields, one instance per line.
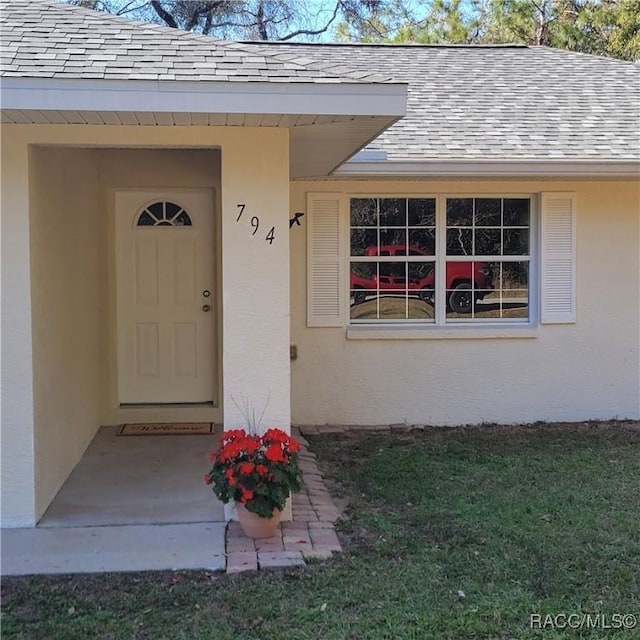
x=558, y=273
x=325, y=261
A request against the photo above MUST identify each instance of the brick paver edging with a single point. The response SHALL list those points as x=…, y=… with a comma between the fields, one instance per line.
x=310, y=535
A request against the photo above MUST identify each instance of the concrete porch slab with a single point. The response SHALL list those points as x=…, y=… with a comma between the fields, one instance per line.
x=137, y=480
x=104, y=549
x=135, y=503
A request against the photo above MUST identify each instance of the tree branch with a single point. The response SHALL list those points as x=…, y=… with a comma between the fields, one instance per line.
x=208, y=24
x=312, y=32
x=260, y=22
x=208, y=8
x=164, y=14
x=127, y=8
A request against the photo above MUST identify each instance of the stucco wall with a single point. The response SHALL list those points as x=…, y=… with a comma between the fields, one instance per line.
x=68, y=311
x=566, y=372
x=17, y=455
x=255, y=276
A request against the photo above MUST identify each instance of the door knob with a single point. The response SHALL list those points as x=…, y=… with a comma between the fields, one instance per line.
x=206, y=308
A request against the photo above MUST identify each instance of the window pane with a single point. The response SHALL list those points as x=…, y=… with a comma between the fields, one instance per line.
x=459, y=242
x=393, y=242
x=516, y=242
x=393, y=212
x=419, y=309
x=422, y=307
x=363, y=212
x=157, y=210
x=487, y=305
x=421, y=275
x=488, y=212
x=145, y=220
x=515, y=275
x=363, y=281
x=515, y=303
x=364, y=242
x=516, y=212
x=183, y=220
x=392, y=307
x=392, y=276
x=422, y=212
x=172, y=210
x=488, y=275
x=460, y=300
x=422, y=242
x=459, y=212
x=488, y=242
x=365, y=306
x=366, y=270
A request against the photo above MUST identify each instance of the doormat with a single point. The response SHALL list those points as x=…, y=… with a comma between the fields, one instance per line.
x=166, y=429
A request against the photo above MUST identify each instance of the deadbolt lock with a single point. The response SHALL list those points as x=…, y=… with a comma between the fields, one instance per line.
x=206, y=293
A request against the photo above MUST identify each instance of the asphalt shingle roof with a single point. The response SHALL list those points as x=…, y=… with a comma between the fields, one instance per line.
x=500, y=102
x=44, y=39
x=466, y=102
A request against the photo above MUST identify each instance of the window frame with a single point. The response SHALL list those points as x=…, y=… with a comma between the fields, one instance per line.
x=439, y=326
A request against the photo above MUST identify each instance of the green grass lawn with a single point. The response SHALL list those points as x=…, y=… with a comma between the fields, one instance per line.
x=449, y=533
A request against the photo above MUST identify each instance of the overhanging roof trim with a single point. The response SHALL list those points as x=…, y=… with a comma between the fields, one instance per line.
x=514, y=167
x=358, y=99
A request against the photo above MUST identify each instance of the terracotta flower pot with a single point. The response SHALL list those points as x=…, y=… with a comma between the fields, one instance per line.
x=254, y=525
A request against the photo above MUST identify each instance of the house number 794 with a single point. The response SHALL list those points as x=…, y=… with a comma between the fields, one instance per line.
x=255, y=224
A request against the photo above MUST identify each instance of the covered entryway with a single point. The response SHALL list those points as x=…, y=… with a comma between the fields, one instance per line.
x=119, y=330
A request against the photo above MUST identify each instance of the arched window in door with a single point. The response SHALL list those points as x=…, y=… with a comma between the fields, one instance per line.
x=163, y=214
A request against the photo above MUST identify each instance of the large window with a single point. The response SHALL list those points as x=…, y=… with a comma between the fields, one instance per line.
x=440, y=260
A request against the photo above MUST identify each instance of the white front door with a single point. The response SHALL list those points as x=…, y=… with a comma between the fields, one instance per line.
x=165, y=309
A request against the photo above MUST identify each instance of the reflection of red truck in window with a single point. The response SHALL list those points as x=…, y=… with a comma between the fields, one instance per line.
x=460, y=278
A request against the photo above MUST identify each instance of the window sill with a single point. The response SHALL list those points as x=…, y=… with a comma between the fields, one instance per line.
x=371, y=332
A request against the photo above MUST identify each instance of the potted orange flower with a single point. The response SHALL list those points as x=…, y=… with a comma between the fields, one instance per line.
x=259, y=472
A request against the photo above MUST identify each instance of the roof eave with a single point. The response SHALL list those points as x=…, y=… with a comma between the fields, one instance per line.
x=202, y=96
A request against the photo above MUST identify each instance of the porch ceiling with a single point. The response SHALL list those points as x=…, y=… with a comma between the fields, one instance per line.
x=318, y=143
